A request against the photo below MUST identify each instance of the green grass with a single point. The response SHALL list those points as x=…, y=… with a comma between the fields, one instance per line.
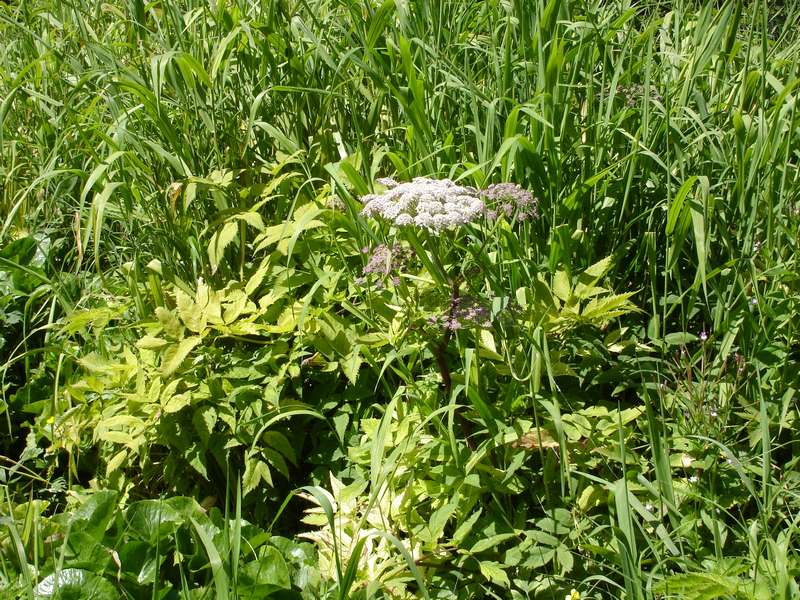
x=181, y=314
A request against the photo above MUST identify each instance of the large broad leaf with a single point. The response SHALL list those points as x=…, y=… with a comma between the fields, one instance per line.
x=94, y=515
x=83, y=551
x=140, y=561
x=151, y=520
x=75, y=584
x=262, y=577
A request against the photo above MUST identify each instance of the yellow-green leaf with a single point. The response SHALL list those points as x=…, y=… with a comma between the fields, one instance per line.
x=193, y=316
x=177, y=402
x=175, y=355
x=219, y=241
x=169, y=322
x=149, y=342
x=561, y=286
x=597, y=270
x=494, y=572
x=116, y=461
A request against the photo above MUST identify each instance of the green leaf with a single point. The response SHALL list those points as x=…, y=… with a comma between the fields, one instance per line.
x=116, y=461
x=698, y=586
x=565, y=558
x=593, y=274
x=251, y=218
x=152, y=520
x=149, y=342
x=94, y=515
x=608, y=307
x=493, y=571
x=439, y=519
x=352, y=364
x=279, y=442
x=464, y=529
x=204, y=421
x=192, y=315
x=680, y=338
x=196, y=455
x=561, y=286
x=118, y=437
x=265, y=575
x=141, y=561
x=219, y=241
x=698, y=212
x=175, y=355
x=676, y=207
x=490, y=542
x=205, y=531
x=75, y=584
x=255, y=471
x=169, y=322
x=176, y=403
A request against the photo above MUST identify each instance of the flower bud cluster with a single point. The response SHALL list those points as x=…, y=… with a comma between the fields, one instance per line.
x=464, y=312
x=385, y=261
x=509, y=199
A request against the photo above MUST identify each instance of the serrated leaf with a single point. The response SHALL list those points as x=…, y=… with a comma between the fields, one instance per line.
x=439, y=519
x=204, y=421
x=608, y=307
x=175, y=355
x=256, y=278
x=279, y=442
x=465, y=528
x=596, y=271
x=169, y=322
x=275, y=460
x=352, y=364
x=540, y=537
x=116, y=461
x=255, y=471
x=493, y=571
x=219, y=241
x=236, y=305
x=118, y=437
x=565, y=558
x=196, y=457
x=490, y=542
x=192, y=315
x=176, y=403
x=149, y=342
x=251, y=218
x=561, y=286
x=698, y=586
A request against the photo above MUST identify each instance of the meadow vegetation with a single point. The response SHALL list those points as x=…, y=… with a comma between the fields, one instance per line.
x=233, y=364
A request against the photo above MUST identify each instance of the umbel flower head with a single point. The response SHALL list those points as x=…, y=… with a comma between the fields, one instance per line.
x=434, y=204
x=437, y=204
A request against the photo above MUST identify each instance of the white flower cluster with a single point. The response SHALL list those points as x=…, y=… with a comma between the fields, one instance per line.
x=434, y=204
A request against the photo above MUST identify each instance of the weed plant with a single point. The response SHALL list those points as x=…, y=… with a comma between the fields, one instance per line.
x=221, y=377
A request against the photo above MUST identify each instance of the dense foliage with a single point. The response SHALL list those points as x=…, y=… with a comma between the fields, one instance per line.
x=413, y=298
